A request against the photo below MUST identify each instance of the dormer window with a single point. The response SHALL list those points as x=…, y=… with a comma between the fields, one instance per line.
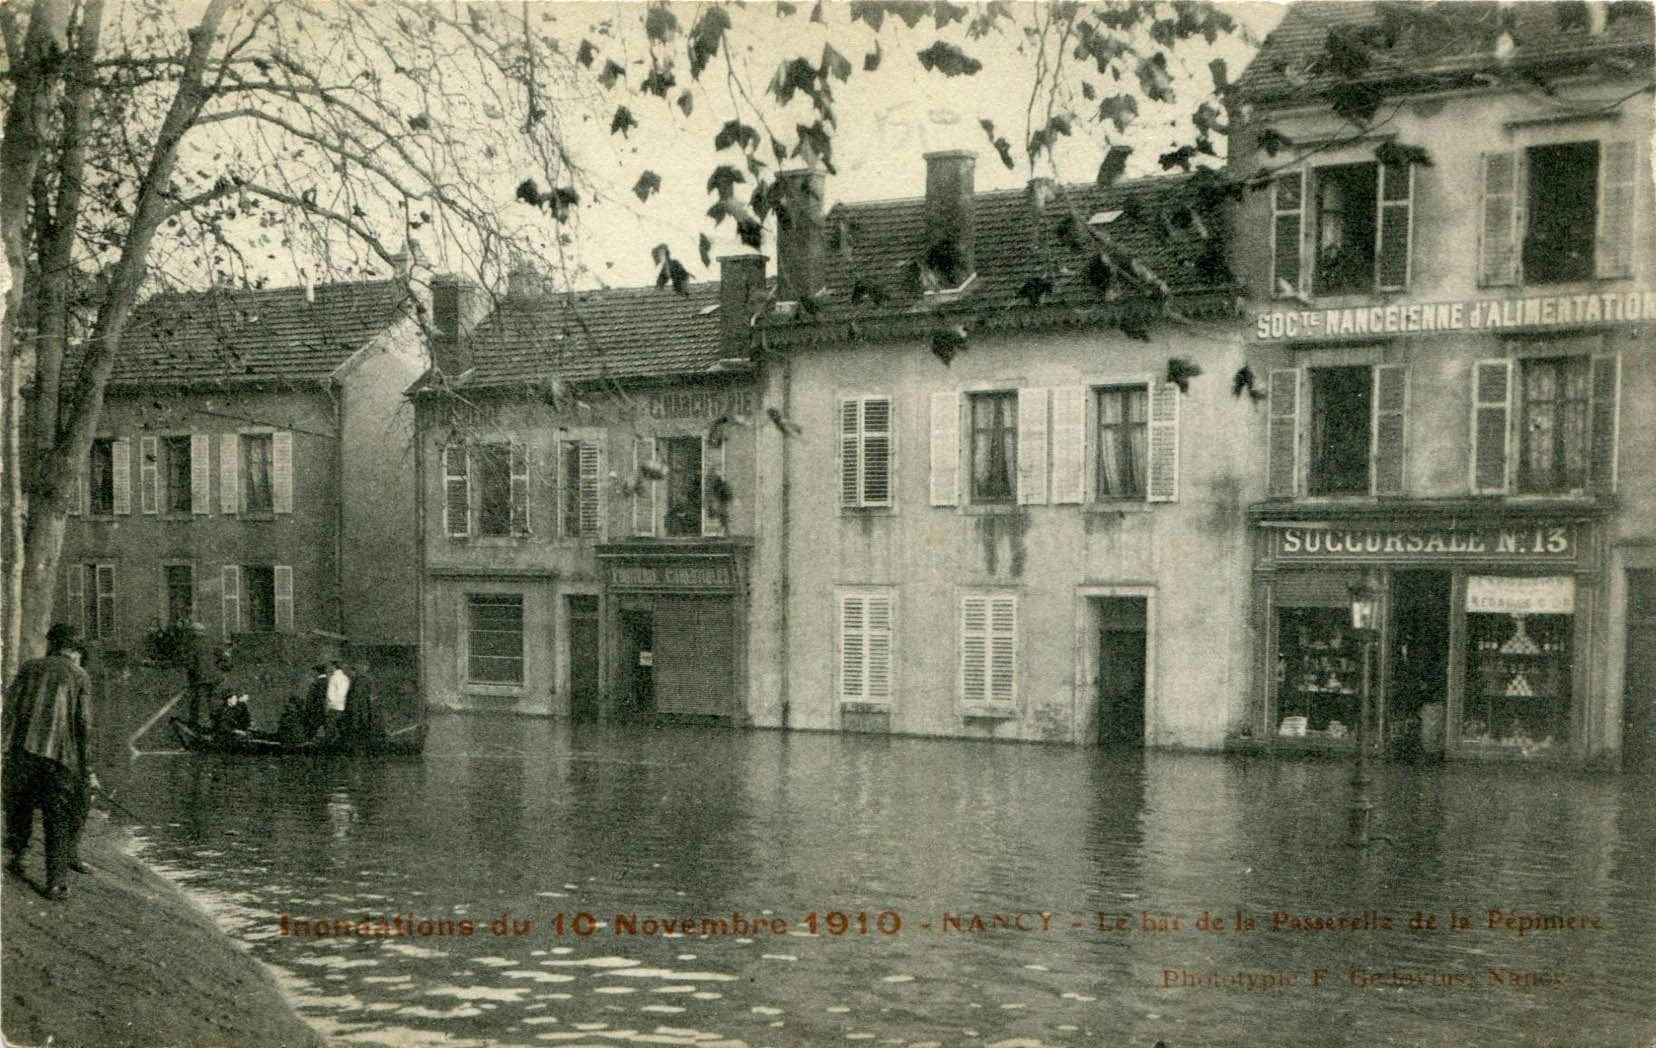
x=1341, y=229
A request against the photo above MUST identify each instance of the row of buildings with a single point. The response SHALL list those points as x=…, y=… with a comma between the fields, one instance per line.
x=1069, y=463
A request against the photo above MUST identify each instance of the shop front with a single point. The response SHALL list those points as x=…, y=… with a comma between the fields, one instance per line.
x=675, y=615
x=1487, y=620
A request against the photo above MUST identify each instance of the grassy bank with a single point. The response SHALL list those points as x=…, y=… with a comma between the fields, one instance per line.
x=127, y=960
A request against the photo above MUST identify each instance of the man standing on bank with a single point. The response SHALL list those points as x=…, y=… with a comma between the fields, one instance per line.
x=47, y=726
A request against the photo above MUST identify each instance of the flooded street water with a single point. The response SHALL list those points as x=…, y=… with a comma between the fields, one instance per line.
x=521, y=820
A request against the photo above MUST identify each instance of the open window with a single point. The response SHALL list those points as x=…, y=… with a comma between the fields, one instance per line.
x=1342, y=229
x=1558, y=213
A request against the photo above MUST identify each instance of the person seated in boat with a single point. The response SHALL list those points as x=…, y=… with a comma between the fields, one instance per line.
x=290, y=729
x=362, y=726
x=233, y=717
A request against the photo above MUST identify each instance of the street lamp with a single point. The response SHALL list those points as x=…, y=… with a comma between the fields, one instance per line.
x=1365, y=600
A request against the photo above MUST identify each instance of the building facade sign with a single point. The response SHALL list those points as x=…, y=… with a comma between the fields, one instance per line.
x=671, y=575
x=1520, y=595
x=707, y=404
x=1483, y=314
x=1547, y=542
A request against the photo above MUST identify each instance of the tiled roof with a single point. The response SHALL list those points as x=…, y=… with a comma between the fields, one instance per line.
x=1169, y=226
x=239, y=335
x=620, y=333
x=645, y=333
x=1415, y=46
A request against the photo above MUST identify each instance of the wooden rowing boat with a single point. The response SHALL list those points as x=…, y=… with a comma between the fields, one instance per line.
x=404, y=742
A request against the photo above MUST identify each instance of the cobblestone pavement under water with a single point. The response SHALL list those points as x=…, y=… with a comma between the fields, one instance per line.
x=980, y=893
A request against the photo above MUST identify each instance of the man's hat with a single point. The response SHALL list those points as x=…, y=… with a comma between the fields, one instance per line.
x=62, y=635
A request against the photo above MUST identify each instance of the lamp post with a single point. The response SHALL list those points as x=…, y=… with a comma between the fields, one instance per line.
x=1365, y=599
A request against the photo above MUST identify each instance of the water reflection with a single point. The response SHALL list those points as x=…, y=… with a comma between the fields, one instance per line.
x=515, y=825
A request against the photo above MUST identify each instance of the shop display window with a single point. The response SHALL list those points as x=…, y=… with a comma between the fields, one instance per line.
x=1517, y=681
x=1319, y=673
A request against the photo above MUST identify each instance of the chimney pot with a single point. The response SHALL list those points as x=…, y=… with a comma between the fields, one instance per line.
x=457, y=305
x=951, y=215
x=741, y=287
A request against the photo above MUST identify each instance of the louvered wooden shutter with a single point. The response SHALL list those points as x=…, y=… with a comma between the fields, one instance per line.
x=281, y=471
x=1069, y=444
x=1499, y=237
x=201, y=473
x=229, y=472
x=230, y=598
x=853, y=647
x=713, y=465
x=149, y=475
x=282, y=583
x=876, y=447
x=1390, y=400
x=1287, y=234
x=974, y=649
x=456, y=492
x=878, y=648
x=945, y=449
x=74, y=595
x=519, y=465
x=1163, y=469
x=1392, y=230
x=104, y=580
x=644, y=494
x=1618, y=172
x=850, y=452
x=1606, y=406
x=121, y=474
x=590, y=503
x=1283, y=453
x=1491, y=428
x=1003, y=639
x=1032, y=446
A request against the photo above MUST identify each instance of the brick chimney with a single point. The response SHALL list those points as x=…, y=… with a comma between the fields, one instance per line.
x=801, y=248
x=951, y=215
x=457, y=304
x=741, y=288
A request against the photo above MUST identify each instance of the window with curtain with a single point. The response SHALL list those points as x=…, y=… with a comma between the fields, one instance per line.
x=994, y=423
x=1123, y=420
x=1553, y=435
x=255, y=465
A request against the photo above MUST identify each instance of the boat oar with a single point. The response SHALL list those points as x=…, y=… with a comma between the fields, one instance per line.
x=109, y=798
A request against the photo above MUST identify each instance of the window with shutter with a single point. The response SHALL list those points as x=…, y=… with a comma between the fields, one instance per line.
x=281, y=471
x=100, y=478
x=1283, y=453
x=178, y=585
x=1393, y=228
x=258, y=598
x=1069, y=444
x=1491, y=432
x=121, y=476
x=257, y=462
x=282, y=586
x=945, y=449
x=1163, y=482
x=1032, y=446
x=716, y=493
x=865, y=621
x=992, y=419
x=1554, y=418
x=1341, y=427
x=101, y=624
x=1560, y=213
x=644, y=490
x=456, y=491
x=1287, y=225
x=74, y=595
x=1605, y=419
x=149, y=475
x=230, y=598
x=229, y=474
x=201, y=473
x=1390, y=398
x=865, y=452
x=590, y=504
x=988, y=650
x=1498, y=237
x=1123, y=442
x=491, y=476
x=683, y=516
x=1619, y=171
x=520, y=488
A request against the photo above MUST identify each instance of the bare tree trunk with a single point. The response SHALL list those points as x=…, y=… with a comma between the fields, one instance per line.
x=35, y=59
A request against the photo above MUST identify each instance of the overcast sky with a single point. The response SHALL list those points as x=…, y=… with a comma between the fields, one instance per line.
x=887, y=121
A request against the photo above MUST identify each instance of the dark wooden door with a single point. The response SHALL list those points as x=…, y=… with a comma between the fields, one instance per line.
x=1639, y=681
x=583, y=658
x=1120, y=687
x=636, y=674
